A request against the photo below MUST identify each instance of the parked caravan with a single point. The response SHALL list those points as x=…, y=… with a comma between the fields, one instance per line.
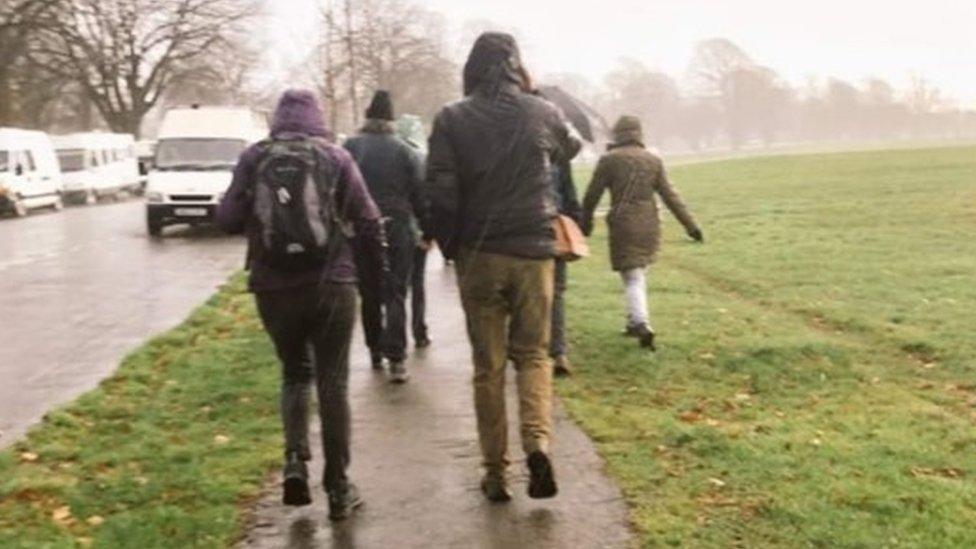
x=29, y=173
x=196, y=152
x=97, y=164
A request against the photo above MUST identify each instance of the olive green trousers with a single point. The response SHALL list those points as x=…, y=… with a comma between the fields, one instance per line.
x=508, y=306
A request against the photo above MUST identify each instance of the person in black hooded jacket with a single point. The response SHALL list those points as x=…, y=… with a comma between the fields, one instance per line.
x=492, y=208
x=393, y=173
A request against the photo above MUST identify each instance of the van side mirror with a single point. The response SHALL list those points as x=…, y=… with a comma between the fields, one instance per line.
x=18, y=170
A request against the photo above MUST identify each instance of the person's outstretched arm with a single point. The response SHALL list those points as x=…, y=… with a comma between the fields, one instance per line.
x=442, y=187
x=594, y=192
x=677, y=206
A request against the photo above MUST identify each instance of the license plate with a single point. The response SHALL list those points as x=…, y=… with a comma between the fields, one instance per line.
x=191, y=212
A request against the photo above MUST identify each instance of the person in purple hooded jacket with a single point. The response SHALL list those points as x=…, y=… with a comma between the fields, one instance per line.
x=310, y=313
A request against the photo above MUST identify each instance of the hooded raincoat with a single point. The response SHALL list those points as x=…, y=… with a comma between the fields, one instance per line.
x=490, y=157
x=633, y=176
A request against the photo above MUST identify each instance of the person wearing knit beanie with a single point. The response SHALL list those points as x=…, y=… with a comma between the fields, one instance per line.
x=381, y=107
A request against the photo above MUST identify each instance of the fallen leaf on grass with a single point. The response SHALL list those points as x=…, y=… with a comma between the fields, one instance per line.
x=716, y=482
x=944, y=472
x=690, y=416
x=62, y=515
x=28, y=457
x=95, y=520
x=816, y=442
x=929, y=365
x=707, y=356
x=741, y=397
x=221, y=439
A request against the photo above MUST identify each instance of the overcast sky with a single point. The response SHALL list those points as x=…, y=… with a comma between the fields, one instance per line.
x=850, y=39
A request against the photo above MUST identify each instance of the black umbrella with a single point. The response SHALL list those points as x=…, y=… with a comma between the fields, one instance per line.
x=576, y=111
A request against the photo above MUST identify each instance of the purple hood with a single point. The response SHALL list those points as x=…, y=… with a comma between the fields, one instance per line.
x=299, y=111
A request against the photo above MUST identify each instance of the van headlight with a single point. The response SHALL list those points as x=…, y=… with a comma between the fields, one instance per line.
x=155, y=197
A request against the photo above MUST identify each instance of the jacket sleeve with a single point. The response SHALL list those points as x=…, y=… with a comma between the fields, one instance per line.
x=567, y=191
x=568, y=145
x=356, y=208
x=442, y=187
x=671, y=198
x=415, y=187
x=594, y=192
x=234, y=209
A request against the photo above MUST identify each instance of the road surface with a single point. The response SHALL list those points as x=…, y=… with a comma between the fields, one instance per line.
x=83, y=287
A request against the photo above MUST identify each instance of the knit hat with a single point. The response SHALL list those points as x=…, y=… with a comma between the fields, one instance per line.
x=381, y=108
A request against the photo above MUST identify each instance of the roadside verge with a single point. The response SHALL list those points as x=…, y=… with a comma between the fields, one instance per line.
x=164, y=452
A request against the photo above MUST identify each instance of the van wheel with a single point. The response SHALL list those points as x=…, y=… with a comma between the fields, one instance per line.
x=154, y=225
x=90, y=197
x=18, y=207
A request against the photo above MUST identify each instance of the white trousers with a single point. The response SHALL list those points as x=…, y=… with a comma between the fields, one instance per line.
x=635, y=294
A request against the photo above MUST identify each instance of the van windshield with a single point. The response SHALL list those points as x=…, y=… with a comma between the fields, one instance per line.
x=71, y=160
x=4, y=161
x=198, y=154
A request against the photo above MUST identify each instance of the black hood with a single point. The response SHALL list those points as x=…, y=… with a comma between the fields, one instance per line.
x=494, y=61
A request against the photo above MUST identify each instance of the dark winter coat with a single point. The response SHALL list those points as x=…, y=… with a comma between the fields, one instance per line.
x=392, y=170
x=489, y=160
x=633, y=175
x=298, y=113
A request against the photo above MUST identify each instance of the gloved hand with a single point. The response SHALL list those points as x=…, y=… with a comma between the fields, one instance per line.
x=696, y=235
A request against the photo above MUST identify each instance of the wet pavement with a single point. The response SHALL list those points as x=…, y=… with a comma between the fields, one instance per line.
x=83, y=287
x=416, y=461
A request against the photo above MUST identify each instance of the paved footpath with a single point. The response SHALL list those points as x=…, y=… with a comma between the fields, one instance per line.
x=415, y=459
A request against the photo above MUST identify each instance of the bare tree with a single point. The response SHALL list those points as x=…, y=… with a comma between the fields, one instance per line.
x=20, y=22
x=125, y=54
x=384, y=44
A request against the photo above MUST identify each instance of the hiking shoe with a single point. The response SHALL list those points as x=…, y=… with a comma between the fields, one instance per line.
x=561, y=367
x=398, y=372
x=495, y=488
x=646, y=338
x=542, y=479
x=632, y=330
x=376, y=360
x=422, y=342
x=342, y=503
x=295, y=488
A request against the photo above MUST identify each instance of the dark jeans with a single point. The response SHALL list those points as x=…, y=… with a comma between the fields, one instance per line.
x=311, y=329
x=557, y=345
x=418, y=296
x=385, y=320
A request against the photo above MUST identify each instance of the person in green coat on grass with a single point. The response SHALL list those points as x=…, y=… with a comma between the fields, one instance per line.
x=635, y=177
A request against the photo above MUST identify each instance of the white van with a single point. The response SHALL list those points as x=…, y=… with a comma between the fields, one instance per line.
x=29, y=173
x=96, y=164
x=196, y=152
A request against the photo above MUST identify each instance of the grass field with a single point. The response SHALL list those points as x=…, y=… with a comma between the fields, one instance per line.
x=166, y=453
x=816, y=383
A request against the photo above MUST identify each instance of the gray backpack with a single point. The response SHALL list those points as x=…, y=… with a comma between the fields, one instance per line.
x=294, y=202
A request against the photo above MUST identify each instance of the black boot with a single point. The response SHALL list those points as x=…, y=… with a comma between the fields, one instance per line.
x=344, y=502
x=296, y=490
x=542, y=479
x=646, y=336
